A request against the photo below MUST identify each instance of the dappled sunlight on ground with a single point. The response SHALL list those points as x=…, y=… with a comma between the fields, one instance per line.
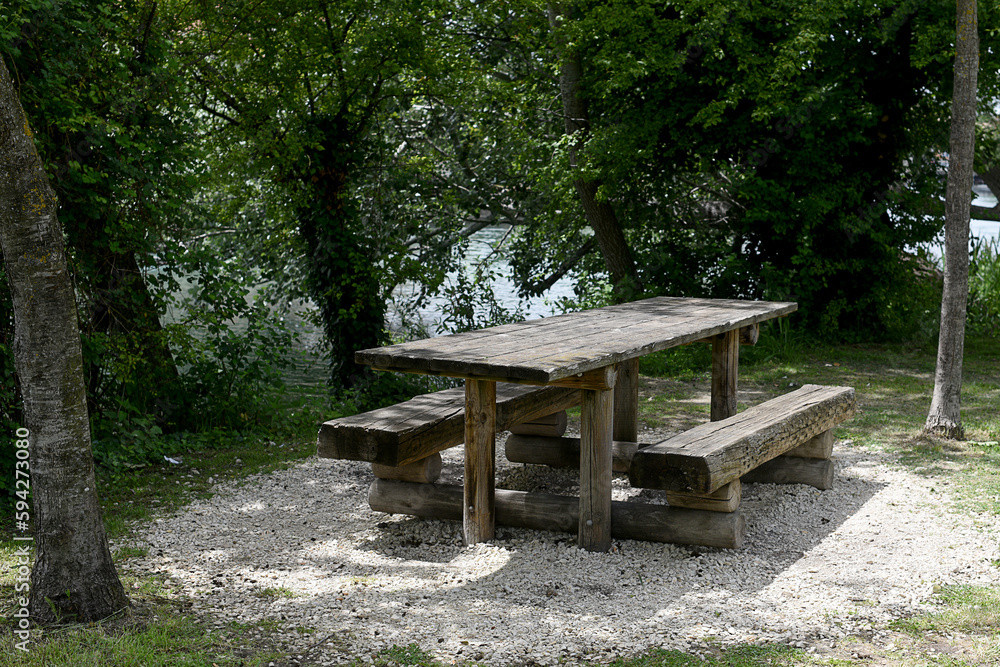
x=816, y=566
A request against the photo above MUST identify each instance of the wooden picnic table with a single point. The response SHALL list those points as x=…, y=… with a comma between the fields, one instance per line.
x=596, y=351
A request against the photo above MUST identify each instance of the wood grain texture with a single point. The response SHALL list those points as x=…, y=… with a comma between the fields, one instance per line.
x=562, y=452
x=750, y=335
x=596, y=415
x=598, y=378
x=414, y=429
x=818, y=473
x=424, y=471
x=626, y=421
x=559, y=347
x=725, y=499
x=704, y=458
x=725, y=368
x=480, y=455
x=553, y=425
x=818, y=447
x=542, y=511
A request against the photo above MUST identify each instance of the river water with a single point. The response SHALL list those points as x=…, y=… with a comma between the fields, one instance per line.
x=311, y=368
x=482, y=246
x=984, y=229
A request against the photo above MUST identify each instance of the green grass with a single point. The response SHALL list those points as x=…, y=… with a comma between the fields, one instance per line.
x=893, y=384
x=968, y=612
x=965, y=609
x=164, y=487
x=736, y=656
x=156, y=636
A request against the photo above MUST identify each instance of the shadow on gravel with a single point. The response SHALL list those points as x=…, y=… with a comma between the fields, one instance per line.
x=784, y=522
x=378, y=579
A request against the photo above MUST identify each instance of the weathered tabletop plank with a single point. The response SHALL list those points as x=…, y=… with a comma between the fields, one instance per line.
x=544, y=351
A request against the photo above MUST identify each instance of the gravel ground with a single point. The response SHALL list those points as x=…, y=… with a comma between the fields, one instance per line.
x=302, y=546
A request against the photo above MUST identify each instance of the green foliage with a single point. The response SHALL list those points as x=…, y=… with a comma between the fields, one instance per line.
x=681, y=362
x=779, y=341
x=762, y=150
x=232, y=351
x=984, y=287
x=380, y=389
x=471, y=302
x=98, y=95
x=307, y=121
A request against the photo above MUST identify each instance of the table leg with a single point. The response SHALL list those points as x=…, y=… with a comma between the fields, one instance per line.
x=626, y=428
x=596, y=417
x=725, y=366
x=480, y=452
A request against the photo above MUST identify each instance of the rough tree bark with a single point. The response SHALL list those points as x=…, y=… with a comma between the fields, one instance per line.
x=73, y=577
x=944, y=417
x=600, y=215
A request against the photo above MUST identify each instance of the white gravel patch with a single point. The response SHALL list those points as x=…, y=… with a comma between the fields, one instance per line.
x=816, y=566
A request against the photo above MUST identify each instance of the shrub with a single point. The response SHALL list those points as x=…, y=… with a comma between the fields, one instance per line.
x=984, y=286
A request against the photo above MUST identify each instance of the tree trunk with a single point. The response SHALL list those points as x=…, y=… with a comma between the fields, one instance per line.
x=944, y=417
x=343, y=277
x=123, y=307
x=73, y=577
x=599, y=214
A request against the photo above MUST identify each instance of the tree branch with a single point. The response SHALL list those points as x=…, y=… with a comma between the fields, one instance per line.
x=537, y=288
x=984, y=213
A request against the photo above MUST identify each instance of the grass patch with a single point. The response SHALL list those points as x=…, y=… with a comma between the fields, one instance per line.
x=403, y=655
x=967, y=618
x=736, y=656
x=128, y=551
x=963, y=609
x=151, y=636
x=166, y=487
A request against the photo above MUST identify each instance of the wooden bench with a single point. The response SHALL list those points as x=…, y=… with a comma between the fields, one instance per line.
x=788, y=439
x=404, y=441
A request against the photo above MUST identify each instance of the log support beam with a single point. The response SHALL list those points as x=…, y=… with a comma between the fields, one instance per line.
x=542, y=511
x=425, y=470
x=724, y=499
x=818, y=473
x=596, y=416
x=480, y=449
x=552, y=426
x=626, y=422
x=725, y=368
x=562, y=452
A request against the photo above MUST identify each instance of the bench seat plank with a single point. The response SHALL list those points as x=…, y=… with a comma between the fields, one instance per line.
x=710, y=455
x=409, y=431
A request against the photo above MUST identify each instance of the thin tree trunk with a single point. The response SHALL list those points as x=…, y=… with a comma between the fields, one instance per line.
x=944, y=417
x=73, y=577
x=600, y=215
